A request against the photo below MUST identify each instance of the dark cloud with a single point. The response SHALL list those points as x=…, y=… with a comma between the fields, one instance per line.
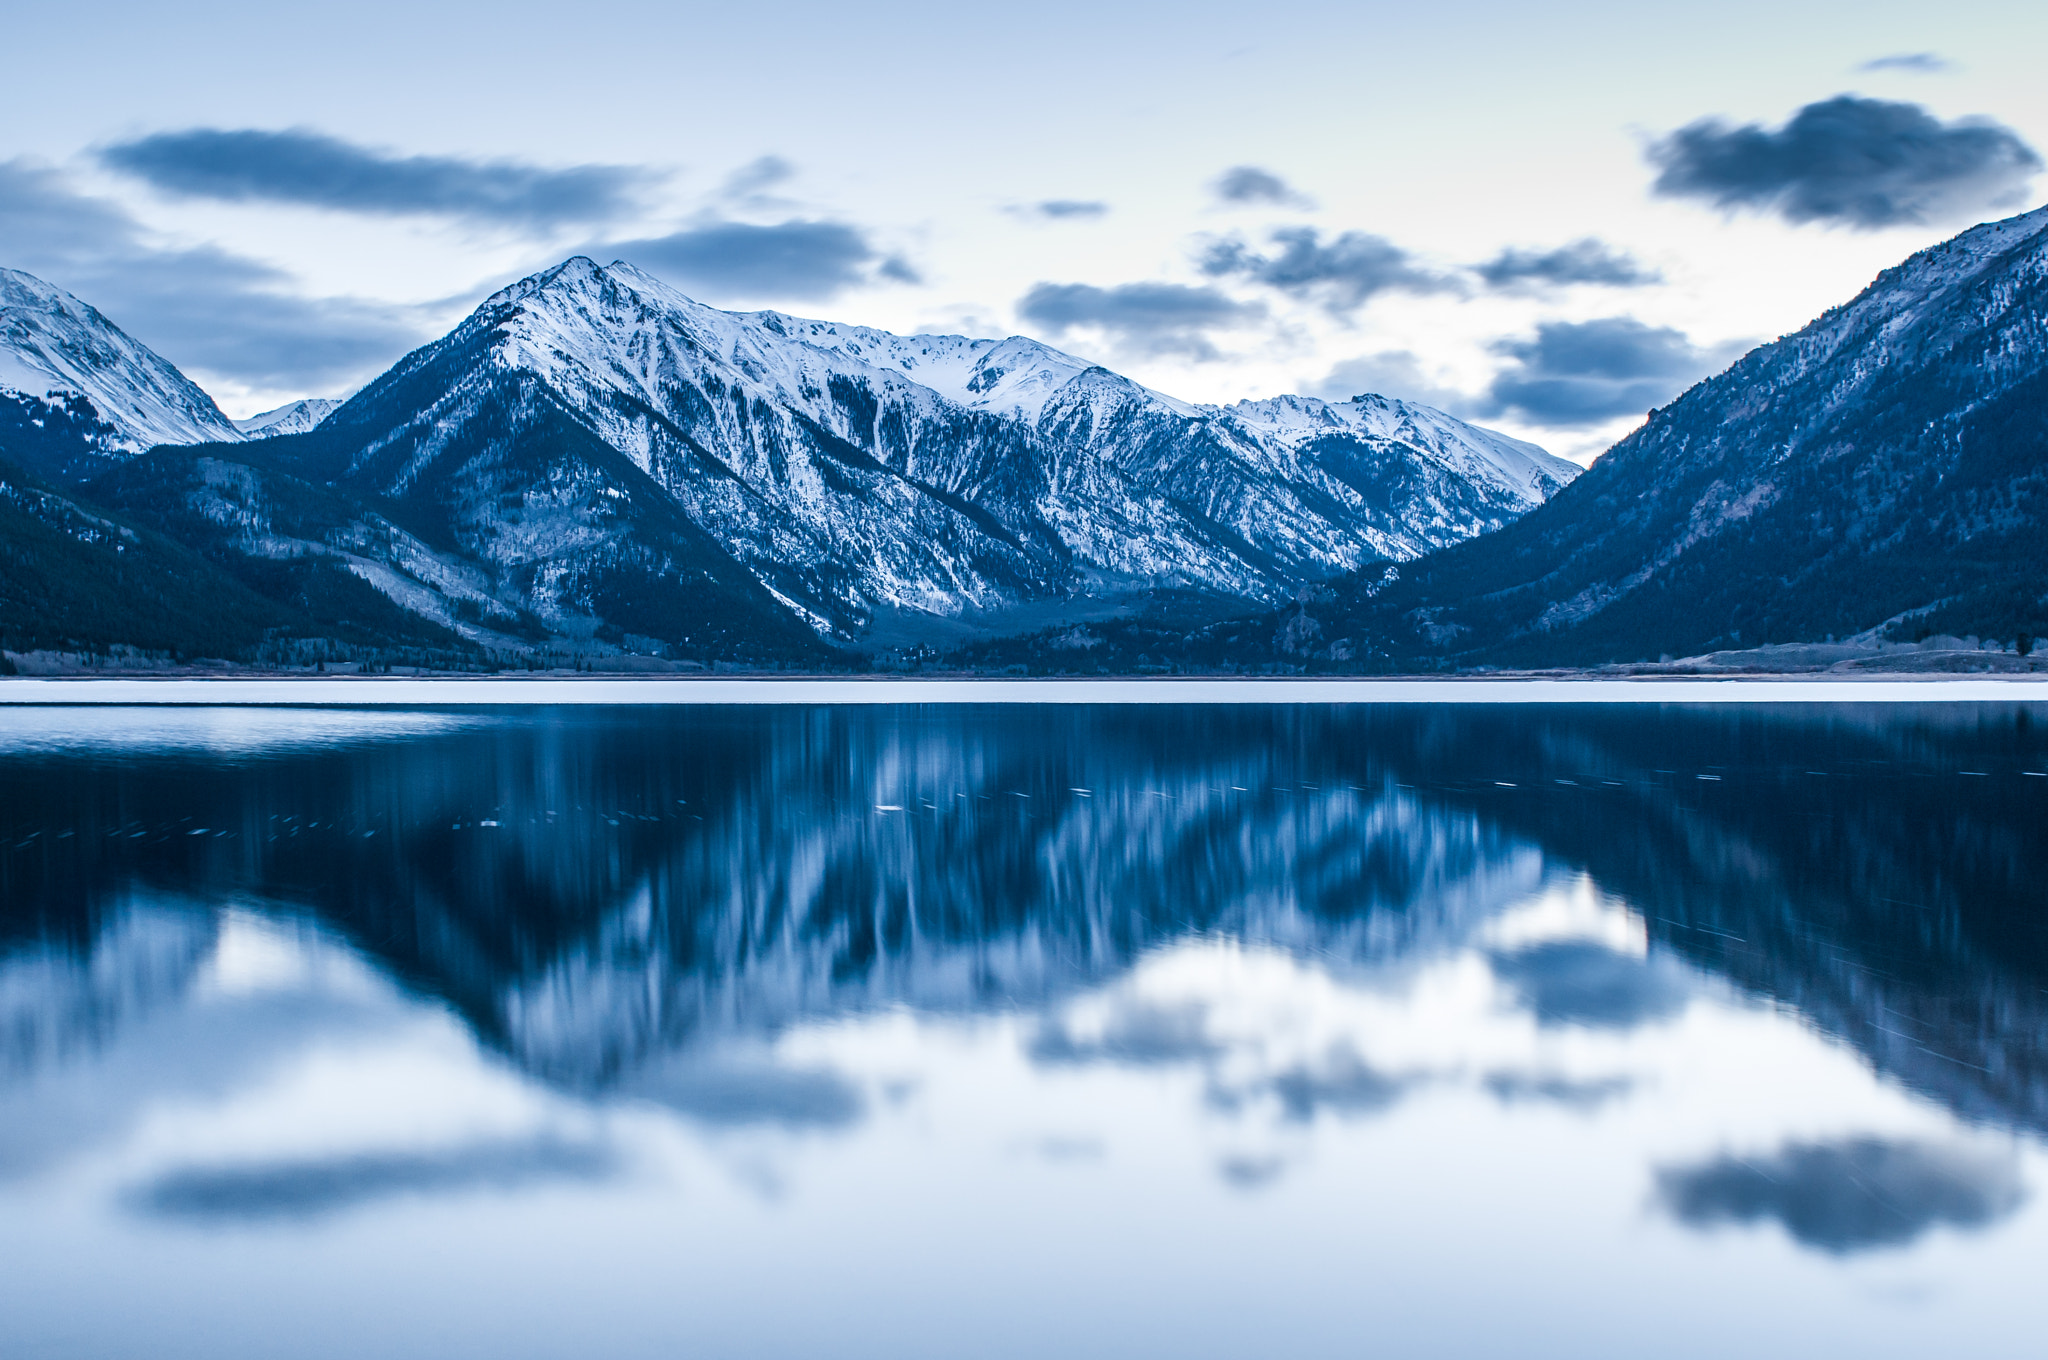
x=1250, y=184
x=1587, y=261
x=207, y=310
x=1156, y=318
x=1923, y=63
x=1343, y=272
x=1851, y=1196
x=1585, y=372
x=309, y=168
x=270, y=1191
x=1859, y=162
x=1572, y=982
x=794, y=259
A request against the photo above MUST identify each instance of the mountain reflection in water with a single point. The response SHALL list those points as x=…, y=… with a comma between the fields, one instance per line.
x=1250, y=940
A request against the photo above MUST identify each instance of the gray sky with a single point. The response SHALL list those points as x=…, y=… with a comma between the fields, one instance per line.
x=1519, y=212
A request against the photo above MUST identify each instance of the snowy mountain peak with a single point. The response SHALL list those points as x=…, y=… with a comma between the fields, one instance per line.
x=853, y=479
x=295, y=417
x=1015, y=377
x=50, y=342
x=1478, y=451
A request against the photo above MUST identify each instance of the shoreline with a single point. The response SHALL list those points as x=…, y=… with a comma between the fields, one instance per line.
x=490, y=691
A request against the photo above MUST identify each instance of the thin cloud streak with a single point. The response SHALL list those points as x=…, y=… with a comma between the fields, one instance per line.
x=1250, y=185
x=1150, y=318
x=1343, y=273
x=311, y=169
x=1586, y=261
x=205, y=309
x=797, y=259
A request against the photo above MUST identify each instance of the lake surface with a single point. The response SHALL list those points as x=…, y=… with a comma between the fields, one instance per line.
x=1083, y=1031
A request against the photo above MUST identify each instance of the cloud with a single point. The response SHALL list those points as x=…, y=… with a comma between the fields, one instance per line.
x=793, y=259
x=1858, y=162
x=1344, y=273
x=737, y=1093
x=271, y=1191
x=1922, y=63
x=1518, y=1088
x=1250, y=184
x=896, y=269
x=1856, y=1195
x=1585, y=372
x=1137, y=1034
x=1342, y=1084
x=763, y=172
x=205, y=309
x=1572, y=982
x=1587, y=261
x=303, y=167
x=1392, y=373
x=1064, y=209
x=1250, y=1173
x=1158, y=318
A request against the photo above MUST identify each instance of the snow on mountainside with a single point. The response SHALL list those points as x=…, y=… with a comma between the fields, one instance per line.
x=1019, y=377
x=52, y=343
x=588, y=422
x=1883, y=467
x=292, y=418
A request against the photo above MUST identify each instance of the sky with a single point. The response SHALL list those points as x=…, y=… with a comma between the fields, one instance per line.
x=1546, y=219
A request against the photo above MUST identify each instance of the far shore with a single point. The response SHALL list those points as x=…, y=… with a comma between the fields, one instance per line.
x=522, y=689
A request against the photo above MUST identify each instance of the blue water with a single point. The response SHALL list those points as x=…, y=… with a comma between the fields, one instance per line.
x=948, y=1031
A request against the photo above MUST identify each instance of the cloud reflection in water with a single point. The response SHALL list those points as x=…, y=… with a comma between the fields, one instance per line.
x=314, y=1188
x=1855, y=1195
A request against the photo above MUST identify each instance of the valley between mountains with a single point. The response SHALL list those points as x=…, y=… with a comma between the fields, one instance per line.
x=594, y=471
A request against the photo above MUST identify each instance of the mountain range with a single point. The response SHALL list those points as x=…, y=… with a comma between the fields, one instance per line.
x=593, y=467
x=595, y=464
x=1882, y=472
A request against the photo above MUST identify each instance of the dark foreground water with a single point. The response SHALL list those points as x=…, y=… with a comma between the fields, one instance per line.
x=1024, y=1032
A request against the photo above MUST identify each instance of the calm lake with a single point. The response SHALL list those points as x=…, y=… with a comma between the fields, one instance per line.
x=1428, y=1030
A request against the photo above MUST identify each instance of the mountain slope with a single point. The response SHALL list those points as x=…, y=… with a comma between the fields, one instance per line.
x=75, y=578
x=55, y=351
x=1888, y=462
x=861, y=478
x=295, y=417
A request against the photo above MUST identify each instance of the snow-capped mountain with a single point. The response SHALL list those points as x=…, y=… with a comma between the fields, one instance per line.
x=55, y=348
x=606, y=446
x=295, y=417
x=1882, y=467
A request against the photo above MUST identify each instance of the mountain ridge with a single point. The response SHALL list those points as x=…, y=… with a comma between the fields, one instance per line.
x=853, y=493
x=1882, y=470
x=52, y=344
